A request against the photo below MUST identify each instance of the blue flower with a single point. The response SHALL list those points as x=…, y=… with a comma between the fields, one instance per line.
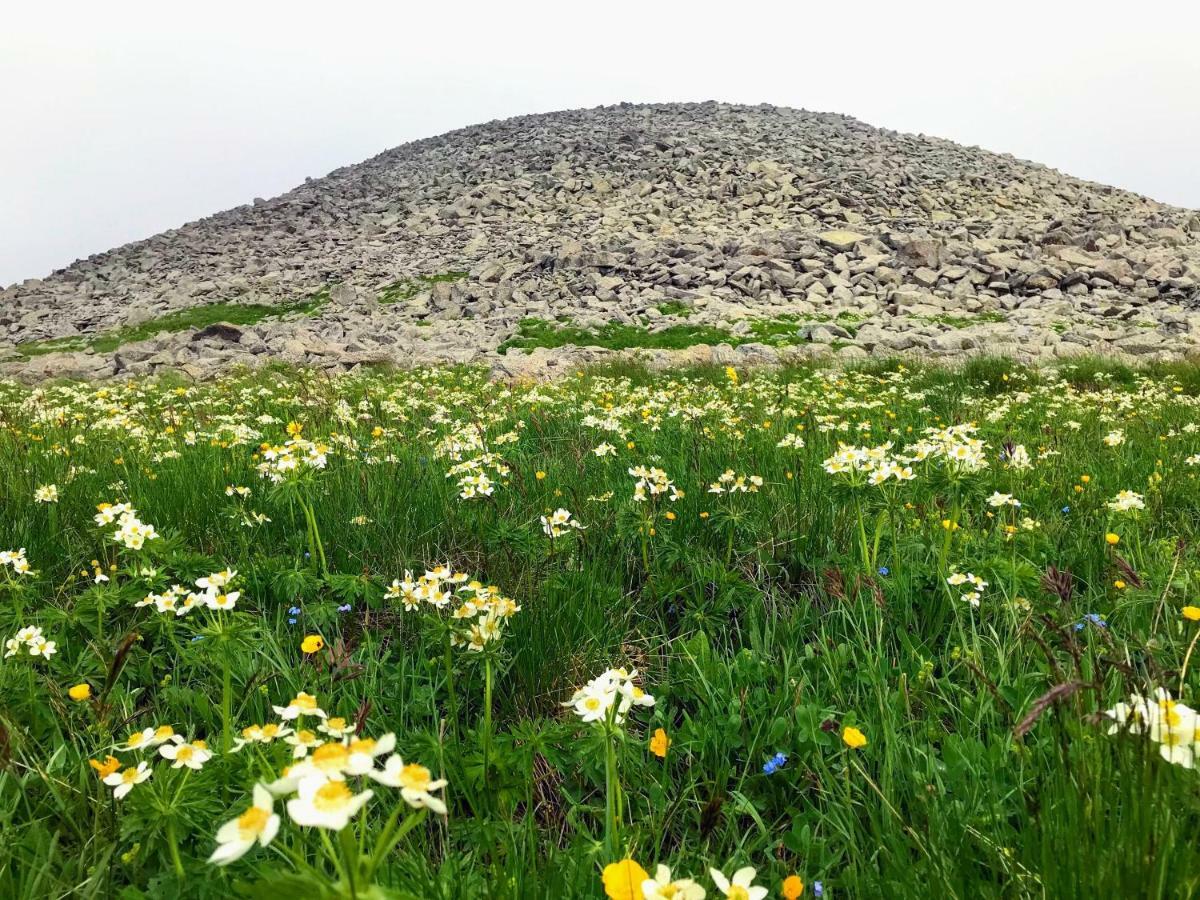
x=291, y=621
x=818, y=889
x=885, y=571
x=773, y=764
x=1066, y=509
x=294, y=611
x=344, y=608
x=1095, y=618
x=198, y=637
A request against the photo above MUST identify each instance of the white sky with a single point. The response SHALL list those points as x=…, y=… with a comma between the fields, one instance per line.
x=120, y=119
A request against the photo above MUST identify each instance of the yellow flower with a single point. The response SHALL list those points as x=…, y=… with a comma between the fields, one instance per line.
x=793, y=887
x=539, y=475
x=1119, y=584
x=1085, y=478
x=670, y=516
x=623, y=880
x=1191, y=613
x=106, y=768
x=660, y=742
x=1112, y=539
x=853, y=738
x=731, y=374
x=80, y=691
x=313, y=643
x=294, y=428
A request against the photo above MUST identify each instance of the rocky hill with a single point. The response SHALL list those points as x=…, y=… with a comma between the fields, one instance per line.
x=759, y=231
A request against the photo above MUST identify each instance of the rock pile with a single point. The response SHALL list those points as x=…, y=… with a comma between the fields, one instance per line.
x=708, y=214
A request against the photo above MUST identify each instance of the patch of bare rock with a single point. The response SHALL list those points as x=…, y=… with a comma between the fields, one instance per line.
x=870, y=241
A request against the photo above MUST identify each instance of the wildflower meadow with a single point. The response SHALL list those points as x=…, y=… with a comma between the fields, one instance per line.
x=892, y=631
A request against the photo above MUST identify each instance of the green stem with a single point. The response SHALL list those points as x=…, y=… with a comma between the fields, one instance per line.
x=612, y=792
x=226, y=704
x=350, y=858
x=487, y=718
x=391, y=836
x=173, y=843
x=450, y=686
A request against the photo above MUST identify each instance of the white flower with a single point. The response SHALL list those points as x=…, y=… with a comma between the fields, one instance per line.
x=193, y=754
x=740, y=886
x=363, y=752
x=150, y=737
x=559, y=523
x=302, y=705
x=661, y=887
x=224, y=600
x=259, y=823
x=1126, y=501
x=324, y=803
x=46, y=493
x=415, y=782
x=123, y=781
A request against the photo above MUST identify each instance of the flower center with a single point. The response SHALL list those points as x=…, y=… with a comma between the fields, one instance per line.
x=331, y=795
x=414, y=776
x=252, y=822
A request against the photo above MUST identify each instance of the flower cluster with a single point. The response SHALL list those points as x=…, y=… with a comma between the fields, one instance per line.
x=1170, y=724
x=131, y=531
x=30, y=640
x=729, y=483
x=976, y=589
x=868, y=465
x=484, y=609
x=1127, y=501
x=212, y=592
x=293, y=457
x=467, y=447
x=319, y=784
x=559, y=523
x=15, y=559
x=954, y=447
x=653, y=482
x=609, y=695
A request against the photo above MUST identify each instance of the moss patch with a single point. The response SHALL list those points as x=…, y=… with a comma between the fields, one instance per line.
x=179, y=320
x=407, y=288
x=533, y=333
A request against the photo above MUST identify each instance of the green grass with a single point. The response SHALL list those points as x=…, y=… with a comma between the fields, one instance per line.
x=963, y=321
x=675, y=308
x=405, y=289
x=180, y=320
x=533, y=333
x=763, y=623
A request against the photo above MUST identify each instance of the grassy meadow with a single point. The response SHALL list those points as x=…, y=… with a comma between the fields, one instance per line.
x=881, y=632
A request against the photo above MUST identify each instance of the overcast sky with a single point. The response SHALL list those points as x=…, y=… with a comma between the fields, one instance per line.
x=121, y=119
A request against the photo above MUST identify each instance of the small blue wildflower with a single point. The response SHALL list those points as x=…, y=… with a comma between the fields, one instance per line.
x=291, y=621
x=1095, y=618
x=344, y=608
x=294, y=611
x=198, y=637
x=1066, y=509
x=818, y=889
x=885, y=571
x=773, y=764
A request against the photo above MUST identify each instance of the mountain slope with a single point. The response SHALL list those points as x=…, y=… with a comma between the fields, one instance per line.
x=783, y=226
